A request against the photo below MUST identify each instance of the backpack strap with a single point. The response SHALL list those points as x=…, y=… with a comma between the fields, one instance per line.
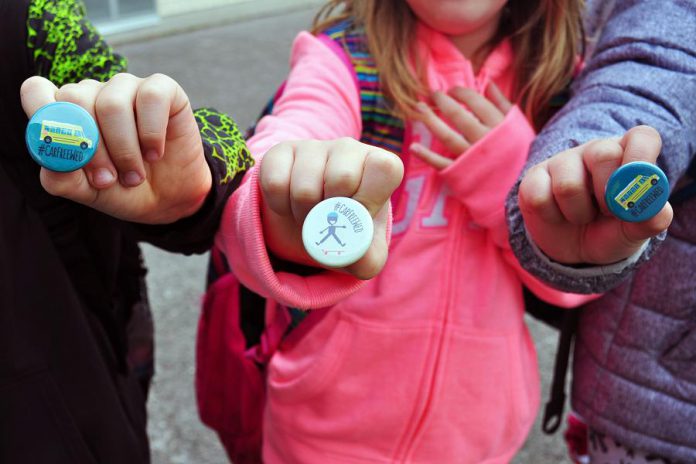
x=553, y=411
x=381, y=127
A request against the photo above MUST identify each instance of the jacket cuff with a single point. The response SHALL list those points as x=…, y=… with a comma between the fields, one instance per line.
x=242, y=240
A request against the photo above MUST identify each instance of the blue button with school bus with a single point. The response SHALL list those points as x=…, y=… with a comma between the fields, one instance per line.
x=637, y=191
x=62, y=137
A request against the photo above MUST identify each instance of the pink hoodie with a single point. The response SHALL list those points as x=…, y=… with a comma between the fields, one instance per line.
x=430, y=361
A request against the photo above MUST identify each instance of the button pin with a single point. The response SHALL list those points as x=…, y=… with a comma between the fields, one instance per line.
x=337, y=232
x=62, y=137
x=636, y=191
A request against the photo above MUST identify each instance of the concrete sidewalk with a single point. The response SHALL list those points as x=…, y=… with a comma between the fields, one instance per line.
x=235, y=69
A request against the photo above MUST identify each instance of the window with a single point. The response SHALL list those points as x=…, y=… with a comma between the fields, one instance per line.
x=114, y=10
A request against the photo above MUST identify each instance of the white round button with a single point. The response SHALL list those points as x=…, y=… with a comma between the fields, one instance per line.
x=337, y=232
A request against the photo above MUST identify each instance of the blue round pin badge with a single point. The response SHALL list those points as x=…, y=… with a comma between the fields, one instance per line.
x=62, y=137
x=637, y=191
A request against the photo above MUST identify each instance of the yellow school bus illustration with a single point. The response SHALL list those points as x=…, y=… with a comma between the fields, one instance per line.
x=65, y=134
x=635, y=190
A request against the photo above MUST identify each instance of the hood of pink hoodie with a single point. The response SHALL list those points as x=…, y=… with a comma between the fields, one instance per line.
x=446, y=66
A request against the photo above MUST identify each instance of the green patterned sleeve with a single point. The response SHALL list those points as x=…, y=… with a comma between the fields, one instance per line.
x=224, y=144
x=65, y=45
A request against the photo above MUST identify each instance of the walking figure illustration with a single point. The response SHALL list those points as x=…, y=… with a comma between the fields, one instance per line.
x=332, y=218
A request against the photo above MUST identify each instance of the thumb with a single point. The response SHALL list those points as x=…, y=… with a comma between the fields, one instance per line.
x=70, y=185
x=641, y=143
x=35, y=93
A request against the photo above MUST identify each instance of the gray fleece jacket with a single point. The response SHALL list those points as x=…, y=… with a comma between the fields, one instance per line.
x=634, y=373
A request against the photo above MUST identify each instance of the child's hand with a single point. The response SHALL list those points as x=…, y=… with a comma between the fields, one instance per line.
x=467, y=117
x=295, y=176
x=562, y=201
x=149, y=166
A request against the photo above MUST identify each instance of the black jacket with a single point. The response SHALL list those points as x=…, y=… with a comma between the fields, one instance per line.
x=69, y=275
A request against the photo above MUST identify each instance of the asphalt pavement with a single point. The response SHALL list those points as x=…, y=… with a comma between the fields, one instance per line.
x=235, y=69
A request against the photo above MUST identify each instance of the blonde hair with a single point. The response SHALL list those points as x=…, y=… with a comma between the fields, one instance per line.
x=546, y=36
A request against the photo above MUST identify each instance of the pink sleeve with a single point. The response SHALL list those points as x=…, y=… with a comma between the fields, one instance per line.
x=320, y=101
x=482, y=177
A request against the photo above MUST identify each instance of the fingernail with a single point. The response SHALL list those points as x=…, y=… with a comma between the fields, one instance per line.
x=152, y=155
x=102, y=177
x=132, y=179
x=422, y=107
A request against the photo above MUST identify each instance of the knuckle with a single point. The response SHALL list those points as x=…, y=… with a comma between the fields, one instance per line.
x=346, y=142
x=342, y=180
x=90, y=82
x=273, y=184
x=386, y=161
x=275, y=153
x=312, y=146
x=69, y=93
x=160, y=77
x=604, y=151
x=388, y=165
x=151, y=92
x=160, y=83
x=567, y=188
x=279, y=148
x=531, y=198
x=305, y=195
x=109, y=104
x=122, y=77
x=531, y=201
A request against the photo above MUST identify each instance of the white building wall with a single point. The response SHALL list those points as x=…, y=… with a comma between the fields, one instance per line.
x=174, y=16
x=167, y=8
x=175, y=7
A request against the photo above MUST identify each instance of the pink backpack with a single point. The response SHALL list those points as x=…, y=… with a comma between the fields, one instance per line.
x=230, y=374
